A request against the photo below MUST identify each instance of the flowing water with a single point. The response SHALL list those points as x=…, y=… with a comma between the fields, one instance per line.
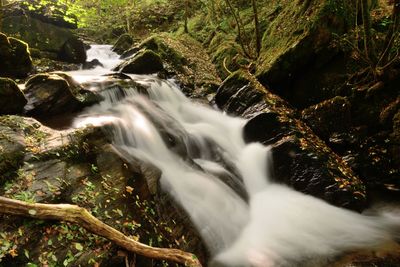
x=223, y=183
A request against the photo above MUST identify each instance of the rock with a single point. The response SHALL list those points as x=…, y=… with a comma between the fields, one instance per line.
x=45, y=37
x=300, y=158
x=236, y=95
x=298, y=36
x=130, y=52
x=15, y=58
x=73, y=50
x=81, y=167
x=186, y=61
x=123, y=43
x=12, y=100
x=12, y=148
x=55, y=93
x=52, y=12
x=328, y=117
x=145, y=62
x=92, y=64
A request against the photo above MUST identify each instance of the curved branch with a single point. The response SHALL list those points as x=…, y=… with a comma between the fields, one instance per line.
x=80, y=216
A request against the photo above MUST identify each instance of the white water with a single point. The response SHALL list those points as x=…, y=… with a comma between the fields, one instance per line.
x=276, y=227
x=103, y=53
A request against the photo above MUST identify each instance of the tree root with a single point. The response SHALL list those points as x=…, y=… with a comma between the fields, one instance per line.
x=80, y=216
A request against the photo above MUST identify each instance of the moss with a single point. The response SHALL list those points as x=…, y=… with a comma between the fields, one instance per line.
x=186, y=59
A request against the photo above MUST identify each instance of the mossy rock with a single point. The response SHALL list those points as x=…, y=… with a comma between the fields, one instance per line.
x=56, y=93
x=45, y=37
x=145, y=62
x=301, y=159
x=12, y=100
x=123, y=43
x=186, y=60
x=328, y=117
x=81, y=167
x=299, y=33
x=12, y=149
x=15, y=57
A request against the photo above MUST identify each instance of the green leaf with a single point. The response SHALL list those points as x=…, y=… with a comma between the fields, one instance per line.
x=79, y=246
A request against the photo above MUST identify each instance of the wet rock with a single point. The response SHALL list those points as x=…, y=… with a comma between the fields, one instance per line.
x=301, y=166
x=15, y=58
x=328, y=117
x=73, y=51
x=236, y=95
x=130, y=52
x=300, y=158
x=123, y=43
x=81, y=167
x=92, y=64
x=145, y=62
x=12, y=100
x=55, y=93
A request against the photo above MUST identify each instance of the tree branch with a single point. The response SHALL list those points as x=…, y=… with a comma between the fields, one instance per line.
x=80, y=216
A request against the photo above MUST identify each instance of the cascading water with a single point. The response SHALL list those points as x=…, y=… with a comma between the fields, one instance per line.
x=223, y=183
x=107, y=58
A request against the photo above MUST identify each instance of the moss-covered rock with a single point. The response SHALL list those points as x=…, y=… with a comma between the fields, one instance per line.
x=328, y=117
x=144, y=62
x=55, y=93
x=81, y=167
x=301, y=159
x=298, y=34
x=45, y=37
x=12, y=100
x=15, y=57
x=186, y=60
x=123, y=43
x=12, y=148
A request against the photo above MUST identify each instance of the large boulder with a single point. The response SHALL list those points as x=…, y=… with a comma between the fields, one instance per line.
x=186, y=60
x=328, y=117
x=46, y=37
x=12, y=100
x=300, y=158
x=299, y=37
x=15, y=57
x=145, y=62
x=55, y=93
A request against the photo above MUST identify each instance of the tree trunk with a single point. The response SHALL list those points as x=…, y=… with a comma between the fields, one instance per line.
x=80, y=216
x=186, y=16
x=239, y=26
x=368, y=42
x=257, y=28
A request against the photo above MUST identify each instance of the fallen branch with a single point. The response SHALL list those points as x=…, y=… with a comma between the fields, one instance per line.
x=80, y=216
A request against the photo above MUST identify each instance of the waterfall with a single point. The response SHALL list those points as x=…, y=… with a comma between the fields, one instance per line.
x=223, y=184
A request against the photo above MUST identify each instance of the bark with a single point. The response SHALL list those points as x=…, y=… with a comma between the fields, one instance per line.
x=257, y=27
x=80, y=216
x=186, y=16
x=239, y=26
x=368, y=43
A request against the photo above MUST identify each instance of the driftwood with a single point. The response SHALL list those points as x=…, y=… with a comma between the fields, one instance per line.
x=80, y=216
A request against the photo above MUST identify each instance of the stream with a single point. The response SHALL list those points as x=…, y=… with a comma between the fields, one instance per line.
x=221, y=182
